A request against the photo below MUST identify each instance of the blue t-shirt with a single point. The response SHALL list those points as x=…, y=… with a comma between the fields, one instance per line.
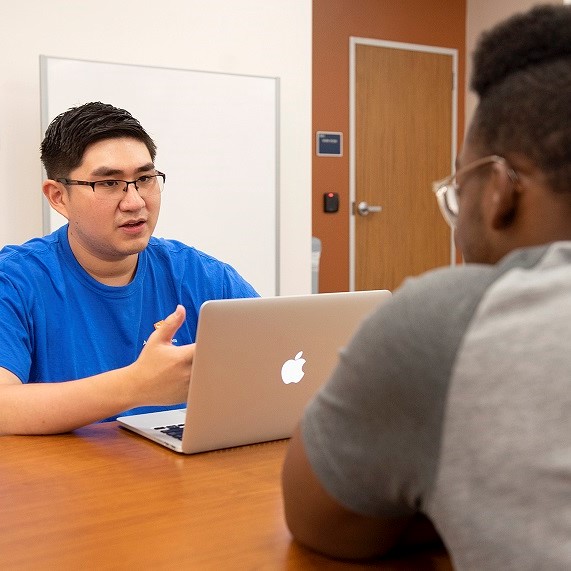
x=60, y=324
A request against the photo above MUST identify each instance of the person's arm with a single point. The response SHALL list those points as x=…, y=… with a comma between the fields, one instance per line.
x=319, y=522
x=160, y=376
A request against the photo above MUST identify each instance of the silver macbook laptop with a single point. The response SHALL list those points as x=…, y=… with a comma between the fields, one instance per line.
x=258, y=362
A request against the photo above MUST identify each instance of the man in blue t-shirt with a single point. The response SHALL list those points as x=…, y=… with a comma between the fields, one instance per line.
x=100, y=302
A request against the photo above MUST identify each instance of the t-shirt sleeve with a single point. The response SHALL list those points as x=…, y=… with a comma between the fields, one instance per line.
x=15, y=331
x=207, y=277
x=235, y=285
x=372, y=434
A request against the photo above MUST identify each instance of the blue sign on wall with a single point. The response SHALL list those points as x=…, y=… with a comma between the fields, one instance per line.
x=329, y=144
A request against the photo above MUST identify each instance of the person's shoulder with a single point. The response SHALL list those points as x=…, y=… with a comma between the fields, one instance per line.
x=35, y=248
x=450, y=295
x=554, y=254
x=176, y=249
x=217, y=278
x=167, y=245
x=447, y=283
x=459, y=281
x=434, y=307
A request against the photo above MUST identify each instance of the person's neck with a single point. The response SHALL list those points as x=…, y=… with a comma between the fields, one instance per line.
x=116, y=273
x=112, y=272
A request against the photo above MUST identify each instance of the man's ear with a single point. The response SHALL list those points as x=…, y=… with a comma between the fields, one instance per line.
x=57, y=196
x=504, y=197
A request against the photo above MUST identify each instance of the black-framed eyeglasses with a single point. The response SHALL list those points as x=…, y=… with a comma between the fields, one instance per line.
x=146, y=185
x=446, y=190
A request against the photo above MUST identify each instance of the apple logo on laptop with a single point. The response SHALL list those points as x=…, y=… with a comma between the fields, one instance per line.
x=292, y=369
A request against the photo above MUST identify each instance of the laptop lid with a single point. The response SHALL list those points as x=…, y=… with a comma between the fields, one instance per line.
x=258, y=362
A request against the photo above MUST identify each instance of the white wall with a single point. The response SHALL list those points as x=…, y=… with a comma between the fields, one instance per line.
x=255, y=37
x=480, y=16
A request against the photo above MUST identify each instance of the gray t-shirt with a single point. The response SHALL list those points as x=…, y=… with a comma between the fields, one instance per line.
x=453, y=399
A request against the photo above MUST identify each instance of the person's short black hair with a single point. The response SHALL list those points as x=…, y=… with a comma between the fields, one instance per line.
x=522, y=74
x=69, y=134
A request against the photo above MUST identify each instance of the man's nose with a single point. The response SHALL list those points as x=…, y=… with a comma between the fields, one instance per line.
x=132, y=196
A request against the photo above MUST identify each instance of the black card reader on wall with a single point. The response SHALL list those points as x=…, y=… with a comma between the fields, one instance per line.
x=330, y=202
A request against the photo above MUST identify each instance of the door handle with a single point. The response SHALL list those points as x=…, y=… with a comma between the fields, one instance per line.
x=364, y=209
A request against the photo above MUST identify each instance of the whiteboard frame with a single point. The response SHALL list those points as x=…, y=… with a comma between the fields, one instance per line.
x=244, y=259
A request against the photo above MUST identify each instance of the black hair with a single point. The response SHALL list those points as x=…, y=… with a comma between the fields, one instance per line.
x=69, y=134
x=522, y=74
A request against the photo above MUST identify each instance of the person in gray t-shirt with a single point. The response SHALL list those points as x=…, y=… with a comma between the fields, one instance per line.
x=451, y=405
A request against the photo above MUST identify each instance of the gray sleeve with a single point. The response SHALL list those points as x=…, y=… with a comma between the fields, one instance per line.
x=372, y=434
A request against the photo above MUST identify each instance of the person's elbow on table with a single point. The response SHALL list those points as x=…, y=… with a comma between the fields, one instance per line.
x=319, y=522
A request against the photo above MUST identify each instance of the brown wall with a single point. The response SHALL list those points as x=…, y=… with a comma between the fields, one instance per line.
x=427, y=22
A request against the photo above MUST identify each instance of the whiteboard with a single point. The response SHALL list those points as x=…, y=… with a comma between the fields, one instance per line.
x=217, y=142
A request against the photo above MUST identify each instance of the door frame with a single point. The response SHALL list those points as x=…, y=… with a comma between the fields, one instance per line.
x=353, y=42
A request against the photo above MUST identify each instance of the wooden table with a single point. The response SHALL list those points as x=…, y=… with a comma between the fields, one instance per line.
x=102, y=498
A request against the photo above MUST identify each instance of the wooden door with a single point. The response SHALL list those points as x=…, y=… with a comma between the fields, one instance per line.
x=403, y=142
